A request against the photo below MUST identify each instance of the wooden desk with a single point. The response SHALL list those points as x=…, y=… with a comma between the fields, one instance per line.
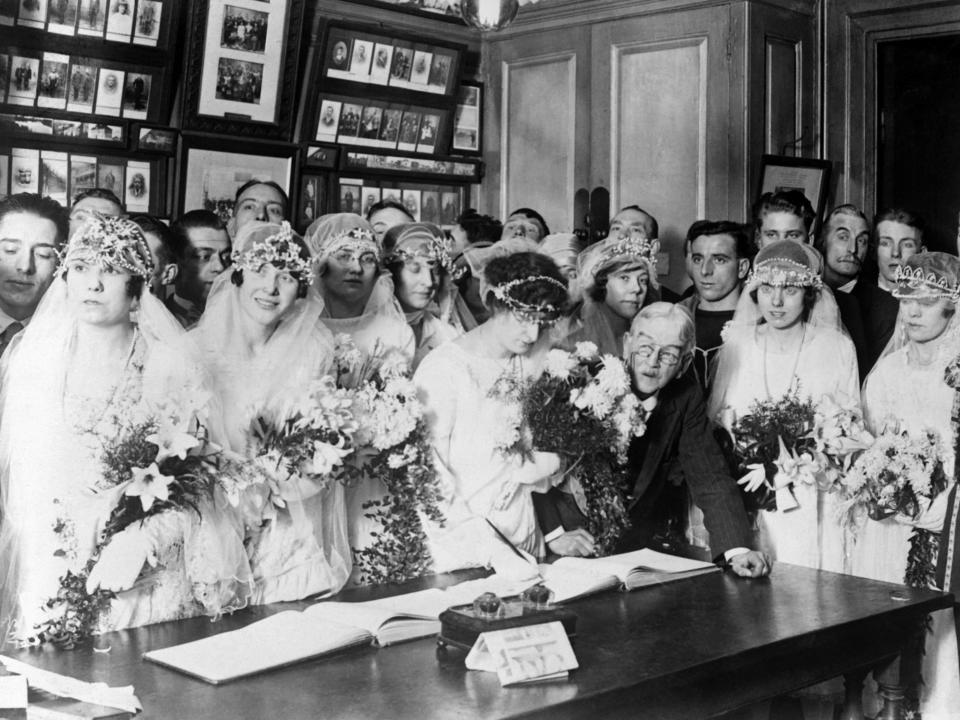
x=689, y=649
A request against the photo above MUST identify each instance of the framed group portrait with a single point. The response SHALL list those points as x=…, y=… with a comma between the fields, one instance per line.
x=241, y=69
x=810, y=176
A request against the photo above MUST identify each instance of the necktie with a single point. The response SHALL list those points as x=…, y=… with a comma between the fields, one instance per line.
x=7, y=335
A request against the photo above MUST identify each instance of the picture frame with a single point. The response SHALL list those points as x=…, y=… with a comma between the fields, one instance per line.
x=154, y=139
x=322, y=156
x=450, y=169
x=809, y=176
x=467, y=137
x=312, y=199
x=241, y=68
x=443, y=10
x=211, y=171
x=60, y=131
x=440, y=204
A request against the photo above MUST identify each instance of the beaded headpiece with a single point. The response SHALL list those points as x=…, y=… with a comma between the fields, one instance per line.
x=543, y=313
x=913, y=280
x=781, y=272
x=418, y=243
x=357, y=240
x=624, y=247
x=279, y=249
x=113, y=241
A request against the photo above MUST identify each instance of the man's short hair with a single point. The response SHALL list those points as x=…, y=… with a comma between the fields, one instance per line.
x=739, y=233
x=480, y=228
x=910, y=218
x=100, y=194
x=389, y=204
x=847, y=209
x=787, y=201
x=44, y=207
x=191, y=221
x=669, y=311
x=654, y=225
x=170, y=251
x=269, y=183
x=532, y=214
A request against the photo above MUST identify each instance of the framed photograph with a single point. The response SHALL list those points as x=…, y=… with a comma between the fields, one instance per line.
x=446, y=10
x=62, y=17
x=468, y=120
x=811, y=177
x=322, y=156
x=212, y=170
x=241, y=69
x=312, y=201
x=385, y=164
x=153, y=139
x=439, y=204
x=92, y=18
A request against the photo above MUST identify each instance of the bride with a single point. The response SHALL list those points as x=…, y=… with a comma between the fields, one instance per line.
x=785, y=338
x=100, y=354
x=908, y=389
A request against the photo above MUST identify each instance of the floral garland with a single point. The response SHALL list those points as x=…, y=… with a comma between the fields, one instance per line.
x=582, y=408
x=159, y=461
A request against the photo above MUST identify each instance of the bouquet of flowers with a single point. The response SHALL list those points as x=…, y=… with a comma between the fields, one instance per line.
x=899, y=473
x=158, y=460
x=840, y=437
x=582, y=407
x=308, y=438
x=392, y=435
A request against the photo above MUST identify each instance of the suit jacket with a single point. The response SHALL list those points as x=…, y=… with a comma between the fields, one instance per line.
x=879, y=310
x=677, y=433
x=186, y=317
x=852, y=317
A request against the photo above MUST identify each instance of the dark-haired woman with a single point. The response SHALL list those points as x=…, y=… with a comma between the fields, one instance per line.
x=617, y=277
x=100, y=356
x=469, y=388
x=418, y=258
x=261, y=341
x=786, y=339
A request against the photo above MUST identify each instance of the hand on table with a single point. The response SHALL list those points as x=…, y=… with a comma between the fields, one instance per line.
x=751, y=564
x=577, y=542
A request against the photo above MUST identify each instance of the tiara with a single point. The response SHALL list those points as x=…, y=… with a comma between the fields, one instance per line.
x=781, y=272
x=113, y=241
x=630, y=246
x=278, y=250
x=528, y=311
x=915, y=278
x=356, y=239
x=432, y=249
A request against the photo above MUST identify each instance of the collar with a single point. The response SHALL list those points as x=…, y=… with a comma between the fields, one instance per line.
x=650, y=403
x=847, y=287
x=885, y=284
x=6, y=320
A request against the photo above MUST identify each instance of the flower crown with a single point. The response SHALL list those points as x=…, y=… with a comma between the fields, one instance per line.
x=432, y=249
x=356, y=239
x=781, y=272
x=640, y=247
x=279, y=250
x=528, y=311
x=916, y=279
x=112, y=241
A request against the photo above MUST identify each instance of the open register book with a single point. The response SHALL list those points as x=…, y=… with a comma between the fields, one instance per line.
x=573, y=577
x=293, y=636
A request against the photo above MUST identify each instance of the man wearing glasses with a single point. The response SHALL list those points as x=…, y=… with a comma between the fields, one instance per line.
x=659, y=348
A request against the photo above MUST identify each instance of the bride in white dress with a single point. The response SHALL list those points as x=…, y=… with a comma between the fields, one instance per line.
x=907, y=389
x=786, y=338
x=98, y=355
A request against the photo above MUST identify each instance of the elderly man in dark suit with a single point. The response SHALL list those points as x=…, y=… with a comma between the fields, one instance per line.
x=659, y=349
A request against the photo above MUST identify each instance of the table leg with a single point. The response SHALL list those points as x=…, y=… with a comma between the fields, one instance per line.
x=853, y=695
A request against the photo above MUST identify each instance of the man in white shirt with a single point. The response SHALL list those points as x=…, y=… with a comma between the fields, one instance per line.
x=32, y=228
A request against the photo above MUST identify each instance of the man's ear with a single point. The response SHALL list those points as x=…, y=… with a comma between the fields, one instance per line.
x=743, y=268
x=169, y=274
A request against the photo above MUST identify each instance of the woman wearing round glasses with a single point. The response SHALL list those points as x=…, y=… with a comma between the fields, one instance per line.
x=469, y=388
x=786, y=339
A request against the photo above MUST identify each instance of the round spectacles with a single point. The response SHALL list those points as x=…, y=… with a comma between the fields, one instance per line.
x=666, y=356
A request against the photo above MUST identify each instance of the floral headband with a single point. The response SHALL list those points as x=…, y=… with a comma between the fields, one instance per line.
x=914, y=278
x=420, y=248
x=545, y=312
x=112, y=241
x=357, y=240
x=279, y=250
x=631, y=246
x=782, y=272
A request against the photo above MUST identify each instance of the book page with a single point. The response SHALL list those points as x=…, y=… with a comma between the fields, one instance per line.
x=571, y=578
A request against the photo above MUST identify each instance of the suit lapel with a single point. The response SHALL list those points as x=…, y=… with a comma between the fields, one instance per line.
x=660, y=431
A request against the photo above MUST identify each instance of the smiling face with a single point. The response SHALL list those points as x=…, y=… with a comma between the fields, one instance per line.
x=925, y=319
x=626, y=290
x=266, y=295
x=207, y=256
x=418, y=281
x=895, y=243
x=28, y=259
x=349, y=276
x=781, y=307
x=98, y=293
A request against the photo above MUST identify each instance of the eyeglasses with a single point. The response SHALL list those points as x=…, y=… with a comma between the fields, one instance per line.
x=666, y=356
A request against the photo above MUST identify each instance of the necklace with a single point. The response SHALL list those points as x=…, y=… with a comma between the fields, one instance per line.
x=793, y=371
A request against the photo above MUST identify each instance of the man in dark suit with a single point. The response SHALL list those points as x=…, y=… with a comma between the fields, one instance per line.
x=659, y=349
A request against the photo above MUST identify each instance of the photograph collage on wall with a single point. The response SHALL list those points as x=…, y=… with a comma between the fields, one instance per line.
x=62, y=175
x=379, y=60
x=466, y=120
x=313, y=200
x=29, y=125
x=437, y=204
x=399, y=163
x=60, y=82
x=120, y=21
x=379, y=124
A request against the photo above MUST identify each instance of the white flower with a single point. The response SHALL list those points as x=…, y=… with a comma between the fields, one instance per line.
x=172, y=441
x=149, y=484
x=612, y=378
x=560, y=363
x=585, y=350
x=327, y=456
